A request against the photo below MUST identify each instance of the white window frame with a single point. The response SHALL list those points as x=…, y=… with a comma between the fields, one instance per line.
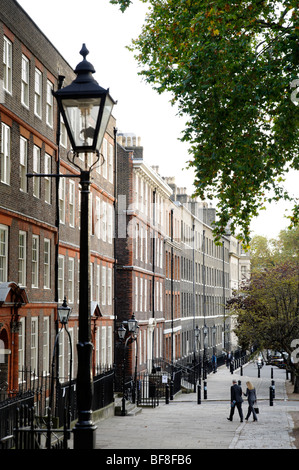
x=60, y=278
x=7, y=65
x=98, y=283
x=71, y=277
x=63, y=134
x=103, y=346
x=62, y=200
x=104, y=220
x=38, y=88
x=110, y=163
x=109, y=223
x=34, y=344
x=98, y=217
x=136, y=293
x=22, y=258
x=25, y=81
x=46, y=345
x=47, y=263
x=22, y=342
x=35, y=261
x=103, y=284
x=23, y=163
x=5, y=154
x=105, y=155
x=72, y=202
x=36, y=170
x=49, y=105
x=109, y=346
x=47, y=179
x=3, y=253
x=109, y=286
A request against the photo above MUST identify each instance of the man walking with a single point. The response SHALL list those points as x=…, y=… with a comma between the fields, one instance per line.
x=236, y=400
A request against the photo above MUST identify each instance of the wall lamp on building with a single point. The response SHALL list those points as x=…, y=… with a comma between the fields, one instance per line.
x=86, y=109
x=127, y=333
x=63, y=312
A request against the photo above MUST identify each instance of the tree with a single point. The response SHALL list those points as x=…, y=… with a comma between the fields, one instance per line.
x=266, y=310
x=230, y=68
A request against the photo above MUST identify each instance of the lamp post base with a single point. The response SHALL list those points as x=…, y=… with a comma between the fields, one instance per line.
x=84, y=436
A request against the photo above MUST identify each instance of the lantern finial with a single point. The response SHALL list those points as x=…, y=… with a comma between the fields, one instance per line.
x=84, y=51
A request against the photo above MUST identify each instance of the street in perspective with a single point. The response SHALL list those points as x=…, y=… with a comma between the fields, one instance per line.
x=186, y=424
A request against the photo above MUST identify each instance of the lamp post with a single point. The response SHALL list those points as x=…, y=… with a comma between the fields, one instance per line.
x=205, y=332
x=197, y=335
x=86, y=108
x=63, y=312
x=132, y=329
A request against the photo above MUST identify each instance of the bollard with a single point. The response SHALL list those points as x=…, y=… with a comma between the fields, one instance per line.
x=171, y=389
x=271, y=372
x=205, y=390
x=271, y=396
x=198, y=394
x=167, y=394
x=273, y=387
x=258, y=371
x=241, y=370
x=287, y=374
x=239, y=383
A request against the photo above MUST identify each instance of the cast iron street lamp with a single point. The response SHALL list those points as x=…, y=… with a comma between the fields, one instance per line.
x=86, y=108
x=63, y=316
x=132, y=329
x=197, y=341
x=205, y=340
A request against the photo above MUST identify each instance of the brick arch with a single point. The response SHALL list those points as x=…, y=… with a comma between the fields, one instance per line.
x=10, y=292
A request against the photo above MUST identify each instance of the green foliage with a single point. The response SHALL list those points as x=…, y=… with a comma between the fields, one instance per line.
x=229, y=67
x=266, y=307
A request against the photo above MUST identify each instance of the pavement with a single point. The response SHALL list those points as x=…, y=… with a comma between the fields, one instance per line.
x=184, y=425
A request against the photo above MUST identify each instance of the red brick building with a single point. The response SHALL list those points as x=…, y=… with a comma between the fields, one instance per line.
x=39, y=217
x=140, y=253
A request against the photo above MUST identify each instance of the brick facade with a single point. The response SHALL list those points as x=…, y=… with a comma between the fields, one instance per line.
x=152, y=248
x=30, y=224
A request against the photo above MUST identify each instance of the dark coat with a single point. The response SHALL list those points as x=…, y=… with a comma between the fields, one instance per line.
x=236, y=393
x=251, y=396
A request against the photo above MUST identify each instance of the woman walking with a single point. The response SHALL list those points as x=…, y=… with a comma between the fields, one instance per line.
x=251, y=397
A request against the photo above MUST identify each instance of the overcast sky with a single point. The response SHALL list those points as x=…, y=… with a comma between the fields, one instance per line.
x=141, y=111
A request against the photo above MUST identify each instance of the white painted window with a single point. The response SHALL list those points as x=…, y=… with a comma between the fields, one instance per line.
x=23, y=163
x=38, y=93
x=36, y=170
x=7, y=65
x=22, y=258
x=47, y=179
x=49, y=104
x=25, y=82
x=35, y=261
x=47, y=263
x=5, y=154
x=34, y=344
x=3, y=253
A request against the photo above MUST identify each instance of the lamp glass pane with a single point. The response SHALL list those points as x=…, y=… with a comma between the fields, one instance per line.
x=105, y=119
x=82, y=115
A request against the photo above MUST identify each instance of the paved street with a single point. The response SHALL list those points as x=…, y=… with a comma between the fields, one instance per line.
x=184, y=424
